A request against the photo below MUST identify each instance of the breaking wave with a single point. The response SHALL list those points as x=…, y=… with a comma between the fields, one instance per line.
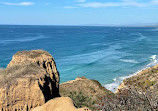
x=117, y=81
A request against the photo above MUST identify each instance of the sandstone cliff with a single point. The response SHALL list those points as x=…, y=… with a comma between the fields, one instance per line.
x=30, y=80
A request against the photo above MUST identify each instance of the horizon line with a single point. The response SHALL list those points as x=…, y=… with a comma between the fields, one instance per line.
x=88, y=25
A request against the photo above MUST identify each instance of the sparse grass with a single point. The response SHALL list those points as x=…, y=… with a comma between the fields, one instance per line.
x=148, y=83
x=27, y=68
x=88, y=90
x=125, y=100
x=33, y=53
x=140, y=94
x=19, y=71
x=98, y=83
x=81, y=100
x=2, y=71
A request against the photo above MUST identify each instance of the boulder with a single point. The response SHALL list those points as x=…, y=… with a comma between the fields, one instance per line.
x=60, y=104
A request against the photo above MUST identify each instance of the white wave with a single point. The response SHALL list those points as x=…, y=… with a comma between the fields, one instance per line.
x=117, y=81
x=25, y=39
x=112, y=87
x=129, y=60
x=153, y=57
x=114, y=79
x=153, y=60
x=91, y=57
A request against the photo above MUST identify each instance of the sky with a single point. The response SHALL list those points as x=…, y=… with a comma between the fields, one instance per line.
x=79, y=12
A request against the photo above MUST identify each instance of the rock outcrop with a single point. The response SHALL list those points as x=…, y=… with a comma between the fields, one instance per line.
x=83, y=91
x=146, y=80
x=145, y=84
x=30, y=80
x=60, y=104
x=137, y=93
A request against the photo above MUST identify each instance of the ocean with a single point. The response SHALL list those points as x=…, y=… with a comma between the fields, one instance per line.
x=107, y=54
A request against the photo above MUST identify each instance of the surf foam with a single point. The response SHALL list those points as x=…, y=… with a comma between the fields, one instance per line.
x=117, y=81
x=153, y=60
x=129, y=61
x=25, y=39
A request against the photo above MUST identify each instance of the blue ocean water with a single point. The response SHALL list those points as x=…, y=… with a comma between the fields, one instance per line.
x=107, y=54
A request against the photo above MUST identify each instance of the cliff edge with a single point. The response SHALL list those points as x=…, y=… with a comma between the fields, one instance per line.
x=30, y=80
x=145, y=84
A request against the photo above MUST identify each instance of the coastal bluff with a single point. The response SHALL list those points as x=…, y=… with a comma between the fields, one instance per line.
x=145, y=86
x=145, y=79
x=30, y=80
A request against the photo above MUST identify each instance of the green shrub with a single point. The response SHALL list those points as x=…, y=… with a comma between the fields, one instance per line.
x=81, y=100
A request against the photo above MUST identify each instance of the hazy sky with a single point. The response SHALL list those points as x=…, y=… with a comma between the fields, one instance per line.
x=78, y=12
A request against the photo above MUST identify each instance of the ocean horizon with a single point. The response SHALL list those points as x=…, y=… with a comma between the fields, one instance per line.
x=107, y=54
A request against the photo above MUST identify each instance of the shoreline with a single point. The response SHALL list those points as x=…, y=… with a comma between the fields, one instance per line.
x=119, y=80
x=138, y=73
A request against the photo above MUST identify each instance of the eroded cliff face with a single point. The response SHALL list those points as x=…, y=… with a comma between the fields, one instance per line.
x=30, y=80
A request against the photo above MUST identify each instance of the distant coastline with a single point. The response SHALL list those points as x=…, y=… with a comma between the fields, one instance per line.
x=78, y=25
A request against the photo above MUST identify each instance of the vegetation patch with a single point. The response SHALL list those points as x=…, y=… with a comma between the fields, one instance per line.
x=10, y=75
x=81, y=100
x=33, y=53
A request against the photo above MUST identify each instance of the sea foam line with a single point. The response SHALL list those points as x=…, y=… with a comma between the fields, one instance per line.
x=91, y=57
x=25, y=39
x=129, y=61
x=117, y=81
x=153, y=60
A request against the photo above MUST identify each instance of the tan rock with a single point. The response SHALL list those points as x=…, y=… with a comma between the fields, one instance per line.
x=60, y=104
x=30, y=80
x=40, y=57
